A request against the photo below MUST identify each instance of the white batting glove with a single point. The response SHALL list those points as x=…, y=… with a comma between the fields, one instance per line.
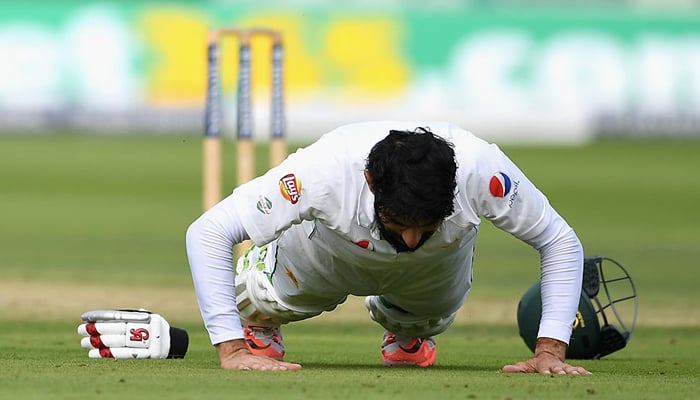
x=131, y=334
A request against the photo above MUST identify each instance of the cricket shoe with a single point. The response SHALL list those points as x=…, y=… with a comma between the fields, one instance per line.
x=401, y=350
x=264, y=341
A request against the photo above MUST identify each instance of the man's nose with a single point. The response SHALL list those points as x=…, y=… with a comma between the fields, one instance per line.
x=411, y=237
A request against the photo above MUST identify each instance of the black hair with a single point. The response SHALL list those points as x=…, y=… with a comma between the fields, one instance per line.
x=413, y=176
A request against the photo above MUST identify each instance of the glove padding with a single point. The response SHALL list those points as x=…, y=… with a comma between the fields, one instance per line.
x=131, y=334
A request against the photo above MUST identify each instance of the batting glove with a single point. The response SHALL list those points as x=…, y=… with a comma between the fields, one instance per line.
x=131, y=334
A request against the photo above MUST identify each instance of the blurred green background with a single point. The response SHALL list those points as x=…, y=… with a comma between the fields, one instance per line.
x=523, y=71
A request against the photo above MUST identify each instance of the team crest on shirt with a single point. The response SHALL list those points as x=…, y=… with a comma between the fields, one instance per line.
x=264, y=205
x=290, y=188
x=500, y=184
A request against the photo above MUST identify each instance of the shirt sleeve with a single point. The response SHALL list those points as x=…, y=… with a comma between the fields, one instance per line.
x=259, y=210
x=209, y=242
x=505, y=196
x=561, y=259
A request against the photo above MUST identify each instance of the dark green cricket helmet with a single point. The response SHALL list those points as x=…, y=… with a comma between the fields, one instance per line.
x=594, y=334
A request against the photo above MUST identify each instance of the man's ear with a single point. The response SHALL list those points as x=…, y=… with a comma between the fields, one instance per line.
x=368, y=178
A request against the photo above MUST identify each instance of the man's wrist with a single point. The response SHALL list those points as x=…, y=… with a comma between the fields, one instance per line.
x=554, y=347
x=231, y=348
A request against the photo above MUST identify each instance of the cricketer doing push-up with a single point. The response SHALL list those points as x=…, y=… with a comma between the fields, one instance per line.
x=386, y=210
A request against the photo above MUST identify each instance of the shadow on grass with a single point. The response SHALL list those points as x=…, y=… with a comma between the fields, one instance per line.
x=382, y=368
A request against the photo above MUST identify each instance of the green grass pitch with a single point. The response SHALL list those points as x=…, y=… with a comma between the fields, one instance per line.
x=98, y=222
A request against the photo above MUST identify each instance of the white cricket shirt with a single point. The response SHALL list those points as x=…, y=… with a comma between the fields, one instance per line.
x=318, y=206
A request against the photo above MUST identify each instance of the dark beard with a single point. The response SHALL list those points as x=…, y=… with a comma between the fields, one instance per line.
x=397, y=242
